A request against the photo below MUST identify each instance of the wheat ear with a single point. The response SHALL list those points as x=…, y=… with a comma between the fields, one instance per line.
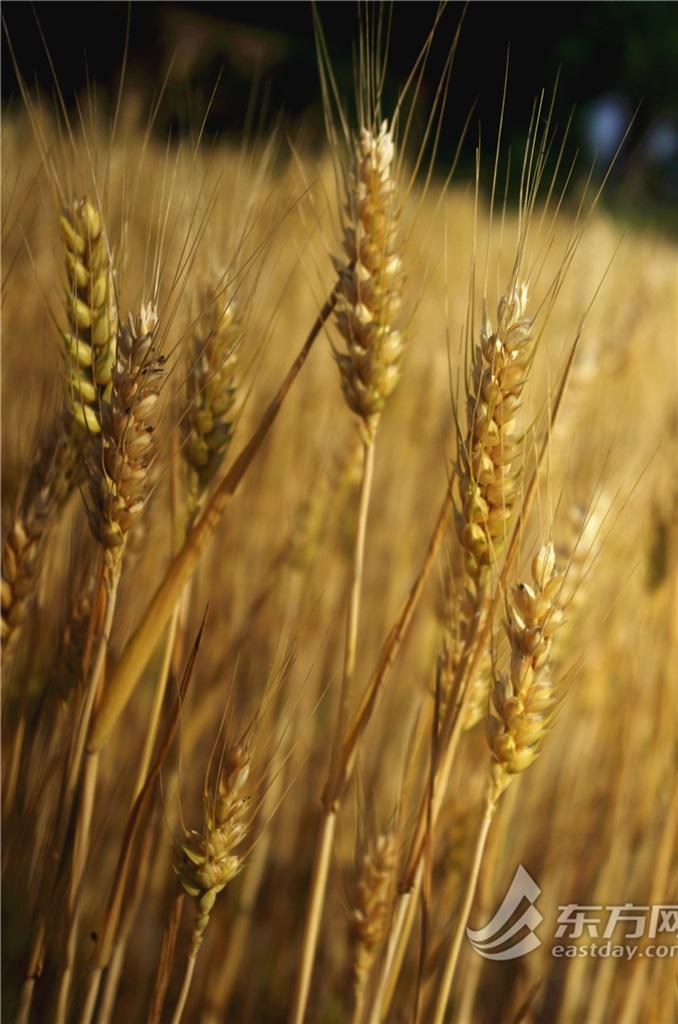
x=90, y=305
x=212, y=389
x=490, y=454
x=369, y=917
x=209, y=860
x=370, y=279
x=49, y=484
x=523, y=702
x=122, y=453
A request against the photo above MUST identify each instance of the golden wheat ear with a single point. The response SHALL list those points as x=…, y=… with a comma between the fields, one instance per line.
x=89, y=349
x=490, y=454
x=123, y=451
x=523, y=701
x=370, y=278
x=370, y=914
x=211, y=390
x=90, y=306
x=49, y=484
x=210, y=859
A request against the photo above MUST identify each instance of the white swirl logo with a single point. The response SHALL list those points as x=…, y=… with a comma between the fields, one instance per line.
x=491, y=940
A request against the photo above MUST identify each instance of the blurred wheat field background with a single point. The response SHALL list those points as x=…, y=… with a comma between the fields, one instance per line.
x=187, y=832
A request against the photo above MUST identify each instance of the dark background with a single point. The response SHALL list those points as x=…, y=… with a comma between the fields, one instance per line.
x=612, y=59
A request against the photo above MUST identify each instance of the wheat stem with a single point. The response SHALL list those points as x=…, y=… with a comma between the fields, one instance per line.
x=323, y=850
x=389, y=652
x=167, y=948
x=321, y=866
x=95, y=677
x=351, y=638
x=453, y=955
x=91, y=996
x=158, y=698
x=401, y=926
x=111, y=983
x=185, y=987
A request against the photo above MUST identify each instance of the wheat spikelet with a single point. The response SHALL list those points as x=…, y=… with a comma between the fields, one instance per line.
x=90, y=306
x=208, y=860
x=370, y=283
x=489, y=456
x=524, y=700
x=121, y=455
x=48, y=486
x=369, y=917
x=212, y=388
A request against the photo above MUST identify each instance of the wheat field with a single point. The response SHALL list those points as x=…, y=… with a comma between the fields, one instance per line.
x=339, y=580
